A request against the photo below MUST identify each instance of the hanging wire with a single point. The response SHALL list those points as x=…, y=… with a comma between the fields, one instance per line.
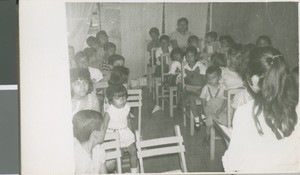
x=267, y=9
x=163, y=30
x=99, y=15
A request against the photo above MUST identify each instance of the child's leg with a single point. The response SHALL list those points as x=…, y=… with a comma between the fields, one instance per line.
x=133, y=157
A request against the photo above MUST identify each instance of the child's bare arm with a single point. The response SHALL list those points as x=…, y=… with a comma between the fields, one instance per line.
x=129, y=122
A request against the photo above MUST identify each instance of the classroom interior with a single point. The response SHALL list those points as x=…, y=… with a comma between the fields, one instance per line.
x=127, y=25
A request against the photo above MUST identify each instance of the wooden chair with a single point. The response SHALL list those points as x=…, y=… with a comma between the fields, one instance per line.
x=151, y=70
x=190, y=113
x=162, y=146
x=169, y=91
x=112, y=149
x=135, y=100
x=230, y=95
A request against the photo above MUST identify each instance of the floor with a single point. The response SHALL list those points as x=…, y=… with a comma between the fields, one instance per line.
x=160, y=124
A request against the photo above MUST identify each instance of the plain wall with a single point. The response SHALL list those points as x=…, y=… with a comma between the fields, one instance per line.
x=247, y=21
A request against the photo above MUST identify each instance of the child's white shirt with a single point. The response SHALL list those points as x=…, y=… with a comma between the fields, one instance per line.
x=231, y=79
x=174, y=66
x=202, y=68
x=84, y=162
x=159, y=52
x=96, y=74
x=214, y=90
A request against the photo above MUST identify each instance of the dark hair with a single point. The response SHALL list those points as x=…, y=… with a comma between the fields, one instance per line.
x=183, y=19
x=212, y=69
x=154, y=30
x=176, y=51
x=278, y=94
x=109, y=45
x=119, y=75
x=79, y=55
x=84, y=123
x=91, y=39
x=228, y=39
x=191, y=49
x=117, y=90
x=212, y=34
x=164, y=37
x=115, y=57
x=193, y=38
x=244, y=58
x=89, y=52
x=101, y=32
x=265, y=38
x=235, y=49
x=218, y=59
x=81, y=73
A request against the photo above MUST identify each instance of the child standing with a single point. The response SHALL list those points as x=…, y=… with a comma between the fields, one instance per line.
x=213, y=100
x=102, y=38
x=82, y=91
x=88, y=135
x=194, y=75
x=117, y=120
x=91, y=41
x=154, y=34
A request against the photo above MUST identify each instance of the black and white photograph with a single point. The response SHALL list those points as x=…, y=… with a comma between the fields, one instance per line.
x=159, y=87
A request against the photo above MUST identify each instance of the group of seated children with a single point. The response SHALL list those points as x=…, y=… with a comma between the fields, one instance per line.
x=208, y=74
x=95, y=115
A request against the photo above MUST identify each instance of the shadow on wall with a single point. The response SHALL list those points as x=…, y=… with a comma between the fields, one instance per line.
x=246, y=21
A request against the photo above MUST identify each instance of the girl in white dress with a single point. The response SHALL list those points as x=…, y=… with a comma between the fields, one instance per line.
x=116, y=120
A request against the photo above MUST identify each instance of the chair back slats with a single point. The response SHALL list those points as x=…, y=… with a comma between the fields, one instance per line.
x=112, y=148
x=160, y=141
x=135, y=100
x=230, y=94
x=162, y=146
x=161, y=151
x=165, y=57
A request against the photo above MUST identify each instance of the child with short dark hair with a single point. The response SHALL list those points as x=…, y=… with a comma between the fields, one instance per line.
x=175, y=66
x=101, y=38
x=82, y=61
x=213, y=100
x=119, y=75
x=89, y=133
x=263, y=41
x=193, y=40
x=219, y=60
x=117, y=120
x=226, y=41
x=116, y=60
x=91, y=41
x=164, y=48
x=154, y=34
x=211, y=42
x=194, y=75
